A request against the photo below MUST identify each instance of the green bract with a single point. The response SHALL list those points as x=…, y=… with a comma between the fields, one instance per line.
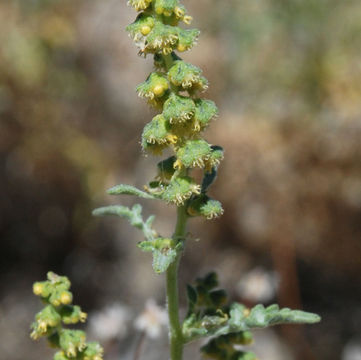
x=156, y=132
x=178, y=109
x=194, y=153
x=205, y=206
x=187, y=76
x=154, y=87
x=206, y=110
x=180, y=189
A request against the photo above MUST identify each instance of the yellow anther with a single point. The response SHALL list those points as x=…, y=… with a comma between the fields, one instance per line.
x=181, y=48
x=83, y=316
x=56, y=302
x=246, y=312
x=179, y=12
x=159, y=90
x=192, y=212
x=145, y=30
x=167, y=13
x=66, y=298
x=42, y=325
x=38, y=289
x=159, y=10
x=177, y=164
x=187, y=19
x=172, y=138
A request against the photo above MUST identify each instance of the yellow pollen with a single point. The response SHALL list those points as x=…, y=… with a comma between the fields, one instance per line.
x=83, y=316
x=181, y=48
x=167, y=13
x=38, y=289
x=158, y=90
x=192, y=212
x=145, y=30
x=42, y=326
x=172, y=139
x=177, y=164
x=66, y=298
x=178, y=11
x=159, y=10
x=187, y=19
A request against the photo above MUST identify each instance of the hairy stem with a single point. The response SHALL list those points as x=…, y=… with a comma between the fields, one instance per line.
x=175, y=330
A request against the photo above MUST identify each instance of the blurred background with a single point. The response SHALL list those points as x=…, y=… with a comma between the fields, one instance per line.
x=286, y=75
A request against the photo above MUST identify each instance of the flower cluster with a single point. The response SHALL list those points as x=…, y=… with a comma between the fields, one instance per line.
x=173, y=89
x=59, y=310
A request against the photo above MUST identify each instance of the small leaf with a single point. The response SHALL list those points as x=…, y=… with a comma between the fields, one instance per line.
x=124, y=189
x=162, y=259
x=117, y=210
x=208, y=179
x=146, y=246
x=192, y=294
x=262, y=317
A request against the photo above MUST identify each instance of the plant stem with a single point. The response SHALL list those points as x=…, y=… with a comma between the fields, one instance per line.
x=175, y=330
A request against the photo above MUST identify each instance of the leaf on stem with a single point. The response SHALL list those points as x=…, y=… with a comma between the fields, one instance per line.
x=164, y=252
x=123, y=189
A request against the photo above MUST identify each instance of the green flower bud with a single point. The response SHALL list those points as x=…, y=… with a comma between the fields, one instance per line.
x=139, y=5
x=165, y=7
x=216, y=156
x=141, y=27
x=72, y=342
x=211, y=209
x=154, y=87
x=186, y=39
x=180, y=189
x=206, y=110
x=42, y=289
x=59, y=281
x=93, y=351
x=157, y=132
x=45, y=320
x=185, y=75
x=162, y=39
x=66, y=297
x=194, y=153
x=166, y=169
x=72, y=314
x=178, y=109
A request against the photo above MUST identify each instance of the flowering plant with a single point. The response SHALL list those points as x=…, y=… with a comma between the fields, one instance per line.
x=174, y=89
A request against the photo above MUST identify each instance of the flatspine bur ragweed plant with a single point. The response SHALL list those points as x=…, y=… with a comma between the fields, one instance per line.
x=174, y=89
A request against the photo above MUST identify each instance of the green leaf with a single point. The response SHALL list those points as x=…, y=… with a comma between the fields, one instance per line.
x=162, y=259
x=117, y=210
x=164, y=251
x=242, y=319
x=124, y=189
x=134, y=215
x=261, y=317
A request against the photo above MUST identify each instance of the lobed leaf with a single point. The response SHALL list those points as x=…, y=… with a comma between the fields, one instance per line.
x=123, y=189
